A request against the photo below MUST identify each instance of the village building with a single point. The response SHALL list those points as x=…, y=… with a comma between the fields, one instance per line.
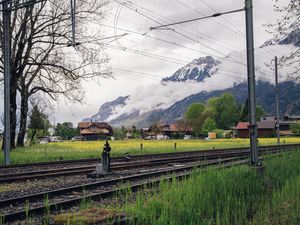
x=264, y=129
x=173, y=131
x=95, y=130
x=284, y=122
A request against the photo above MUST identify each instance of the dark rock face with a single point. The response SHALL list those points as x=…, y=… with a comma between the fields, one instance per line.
x=197, y=70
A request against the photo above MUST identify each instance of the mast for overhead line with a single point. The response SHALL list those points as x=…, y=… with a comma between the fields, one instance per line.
x=7, y=76
x=7, y=7
x=277, y=101
x=73, y=42
x=251, y=82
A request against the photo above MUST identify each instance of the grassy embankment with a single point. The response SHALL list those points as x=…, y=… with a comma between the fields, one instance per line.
x=238, y=195
x=233, y=196
x=77, y=150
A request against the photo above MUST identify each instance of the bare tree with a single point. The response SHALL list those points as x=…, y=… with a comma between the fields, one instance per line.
x=41, y=60
x=286, y=30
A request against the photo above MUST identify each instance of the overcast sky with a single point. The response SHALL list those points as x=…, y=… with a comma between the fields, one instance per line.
x=151, y=55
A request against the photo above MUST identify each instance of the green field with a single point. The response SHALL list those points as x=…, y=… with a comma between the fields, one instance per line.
x=233, y=196
x=91, y=149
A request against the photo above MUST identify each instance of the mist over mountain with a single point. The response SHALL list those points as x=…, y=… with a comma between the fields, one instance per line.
x=208, y=77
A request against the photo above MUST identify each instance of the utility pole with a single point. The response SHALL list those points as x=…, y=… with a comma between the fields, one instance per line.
x=277, y=101
x=251, y=82
x=7, y=76
x=73, y=42
x=73, y=7
x=7, y=7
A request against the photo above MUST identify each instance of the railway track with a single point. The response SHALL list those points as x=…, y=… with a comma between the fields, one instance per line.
x=119, y=163
x=20, y=207
x=132, y=157
x=16, y=177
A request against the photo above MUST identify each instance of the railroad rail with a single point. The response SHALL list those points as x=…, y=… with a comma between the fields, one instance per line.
x=16, y=177
x=136, y=157
x=14, y=208
x=136, y=161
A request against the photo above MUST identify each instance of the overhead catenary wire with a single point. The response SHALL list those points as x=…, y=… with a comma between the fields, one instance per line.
x=198, y=12
x=182, y=62
x=219, y=57
x=196, y=19
x=192, y=49
x=173, y=60
x=238, y=32
x=229, y=22
x=179, y=33
x=175, y=31
x=164, y=19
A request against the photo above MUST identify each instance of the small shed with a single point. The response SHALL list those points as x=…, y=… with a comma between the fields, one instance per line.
x=264, y=129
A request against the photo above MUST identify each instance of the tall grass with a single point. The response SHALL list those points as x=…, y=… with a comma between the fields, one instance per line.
x=80, y=149
x=233, y=196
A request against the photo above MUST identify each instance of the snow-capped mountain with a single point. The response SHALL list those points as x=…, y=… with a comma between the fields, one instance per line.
x=201, y=79
x=107, y=109
x=197, y=70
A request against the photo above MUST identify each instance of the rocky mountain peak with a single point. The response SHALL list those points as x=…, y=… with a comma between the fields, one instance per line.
x=197, y=70
x=107, y=109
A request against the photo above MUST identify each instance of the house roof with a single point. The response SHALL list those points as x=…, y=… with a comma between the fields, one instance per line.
x=165, y=127
x=84, y=125
x=242, y=126
x=97, y=131
x=260, y=125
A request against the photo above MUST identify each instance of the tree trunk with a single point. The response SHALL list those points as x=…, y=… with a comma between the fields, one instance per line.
x=13, y=111
x=23, y=119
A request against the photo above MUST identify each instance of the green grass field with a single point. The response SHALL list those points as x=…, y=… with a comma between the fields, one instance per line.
x=81, y=149
x=232, y=196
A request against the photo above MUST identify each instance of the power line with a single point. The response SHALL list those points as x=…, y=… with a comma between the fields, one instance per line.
x=147, y=75
x=220, y=24
x=175, y=31
x=211, y=8
x=159, y=57
x=179, y=33
x=197, y=19
x=170, y=42
x=228, y=21
x=197, y=34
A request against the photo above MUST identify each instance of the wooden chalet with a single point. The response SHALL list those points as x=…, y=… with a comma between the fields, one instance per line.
x=167, y=131
x=285, y=122
x=264, y=129
x=95, y=130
